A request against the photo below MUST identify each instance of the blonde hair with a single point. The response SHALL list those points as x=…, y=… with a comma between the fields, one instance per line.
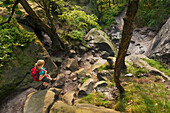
x=39, y=63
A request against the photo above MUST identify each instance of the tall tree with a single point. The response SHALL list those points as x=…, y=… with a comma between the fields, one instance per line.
x=125, y=41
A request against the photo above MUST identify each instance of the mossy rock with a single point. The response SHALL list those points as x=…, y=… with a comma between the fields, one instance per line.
x=16, y=74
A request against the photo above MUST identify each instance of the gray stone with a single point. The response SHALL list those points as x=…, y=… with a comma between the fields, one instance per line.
x=16, y=104
x=60, y=107
x=72, y=64
x=40, y=101
x=161, y=44
x=105, y=75
x=104, y=54
x=81, y=74
x=69, y=97
x=100, y=84
x=86, y=88
x=102, y=41
x=60, y=80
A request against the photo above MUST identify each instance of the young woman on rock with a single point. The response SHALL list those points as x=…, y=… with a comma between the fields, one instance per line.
x=43, y=76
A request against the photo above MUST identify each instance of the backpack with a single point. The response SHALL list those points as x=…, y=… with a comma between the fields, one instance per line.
x=35, y=74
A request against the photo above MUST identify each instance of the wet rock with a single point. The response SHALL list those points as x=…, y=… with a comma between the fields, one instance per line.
x=86, y=88
x=68, y=98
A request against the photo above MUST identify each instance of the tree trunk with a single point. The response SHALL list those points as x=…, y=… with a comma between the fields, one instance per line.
x=125, y=41
x=56, y=42
x=109, y=3
x=113, y=1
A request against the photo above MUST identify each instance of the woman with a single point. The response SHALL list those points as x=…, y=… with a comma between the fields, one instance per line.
x=43, y=73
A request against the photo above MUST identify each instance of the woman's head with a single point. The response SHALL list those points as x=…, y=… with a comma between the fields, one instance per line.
x=39, y=64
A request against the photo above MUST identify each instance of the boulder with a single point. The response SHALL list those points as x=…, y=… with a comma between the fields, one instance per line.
x=100, y=84
x=17, y=75
x=60, y=80
x=68, y=97
x=142, y=64
x=102, y=41
x=72, y=64
x=86, y=88
x=105, y=75
x=41, y=101
x=16, y=104
x=81, y=74
x=61, y=107
x=160, y=47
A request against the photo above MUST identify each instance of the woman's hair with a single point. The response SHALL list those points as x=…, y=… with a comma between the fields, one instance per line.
x=39, y=63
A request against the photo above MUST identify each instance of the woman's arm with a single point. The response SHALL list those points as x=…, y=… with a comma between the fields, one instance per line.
x=41, y=77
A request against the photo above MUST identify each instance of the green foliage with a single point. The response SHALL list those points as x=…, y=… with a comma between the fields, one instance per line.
x=157, y=65
x=152, y=13
x=11, y=37
x=79, y=19
x=96, y=99
x=77, y=35
x=105, y=66
x=110, y=13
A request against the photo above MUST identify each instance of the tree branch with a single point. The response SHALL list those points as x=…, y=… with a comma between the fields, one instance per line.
x=38, y=4
x=12, y=13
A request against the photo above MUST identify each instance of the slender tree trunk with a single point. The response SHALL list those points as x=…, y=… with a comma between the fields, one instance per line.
x=56, y=42
x=109, y=3
x=113, y=1
x=125, y=41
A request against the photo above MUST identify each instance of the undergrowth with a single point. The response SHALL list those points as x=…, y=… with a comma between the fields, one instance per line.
x=11, y=37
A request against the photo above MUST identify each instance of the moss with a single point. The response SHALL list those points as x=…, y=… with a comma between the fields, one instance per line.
x=84, y=79
x=96, y=99
x=105, y=66
x=157, y=65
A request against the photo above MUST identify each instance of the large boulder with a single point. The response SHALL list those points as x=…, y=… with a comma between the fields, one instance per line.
x=16, y=75
x=60, y=107
x=41, y=101
x=102, y=41
x=160, y=47
x=15, y=105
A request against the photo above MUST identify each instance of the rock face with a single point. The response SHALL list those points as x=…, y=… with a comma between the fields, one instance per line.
x=17, y=75
x=160, y=47
x=102, y=41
